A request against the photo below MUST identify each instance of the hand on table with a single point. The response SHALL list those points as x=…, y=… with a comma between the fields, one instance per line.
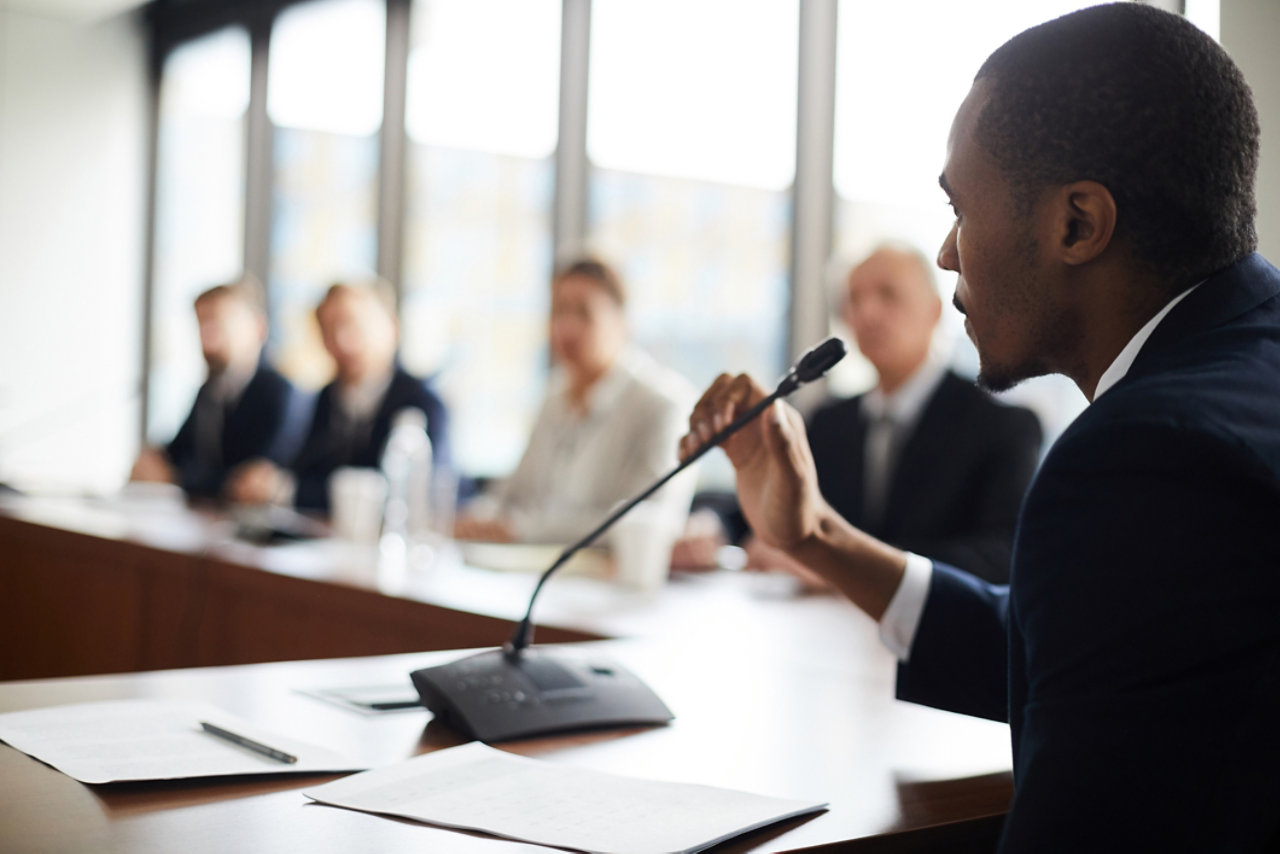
x=762, y=558
x=483, y=530
x=699, y=546
x=255, y=482
x=152, y=466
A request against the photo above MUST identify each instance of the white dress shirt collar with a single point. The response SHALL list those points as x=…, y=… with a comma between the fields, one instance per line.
x=1124, y=361
x=227, y=387
x=604, y=393
x=906, y=402
x=360, y=401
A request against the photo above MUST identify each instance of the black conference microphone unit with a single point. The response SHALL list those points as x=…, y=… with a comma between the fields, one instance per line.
x=517, y=692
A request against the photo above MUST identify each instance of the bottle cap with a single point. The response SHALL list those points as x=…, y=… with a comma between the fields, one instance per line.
x=410, y=417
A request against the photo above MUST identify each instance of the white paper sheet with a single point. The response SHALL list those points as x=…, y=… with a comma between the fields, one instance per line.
x=474, y=787
x=121, y=740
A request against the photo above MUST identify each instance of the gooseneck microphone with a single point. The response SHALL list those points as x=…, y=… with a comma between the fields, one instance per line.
x=812, y=365
x=516, y=691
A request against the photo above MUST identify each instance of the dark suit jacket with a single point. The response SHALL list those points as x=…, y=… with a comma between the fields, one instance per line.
x=324, y=452
x=267, y=421
x=1136, y=653
x=961, y=475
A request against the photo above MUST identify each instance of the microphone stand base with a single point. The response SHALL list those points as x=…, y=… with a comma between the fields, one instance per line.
x=495, y=696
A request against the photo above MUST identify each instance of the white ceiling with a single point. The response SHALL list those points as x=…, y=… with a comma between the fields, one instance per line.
x=81, y=11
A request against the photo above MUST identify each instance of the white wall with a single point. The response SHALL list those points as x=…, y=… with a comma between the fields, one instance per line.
x=1249, y=31
x=72, y=190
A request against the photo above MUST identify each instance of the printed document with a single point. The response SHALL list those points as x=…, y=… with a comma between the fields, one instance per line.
x=120, y=740
x=475, y=787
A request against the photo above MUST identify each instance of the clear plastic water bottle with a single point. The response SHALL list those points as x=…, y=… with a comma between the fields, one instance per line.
x=406, y=462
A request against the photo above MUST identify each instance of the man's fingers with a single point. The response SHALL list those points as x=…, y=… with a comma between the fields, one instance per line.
x=705, y=415
x=726, y=398
x=740, y=393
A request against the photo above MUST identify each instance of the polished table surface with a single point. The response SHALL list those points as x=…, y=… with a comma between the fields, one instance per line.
x=119, y=585
x=777, y=693
x=800, y=729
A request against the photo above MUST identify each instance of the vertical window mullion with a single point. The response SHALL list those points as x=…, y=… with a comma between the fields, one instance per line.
x=258, y=157
x=391, y=160
x=569, y=223
x=812, y=193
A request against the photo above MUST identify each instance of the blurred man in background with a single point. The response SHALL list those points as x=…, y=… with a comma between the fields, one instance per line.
x=926, y=460
x=354, y=413
x=245, y=410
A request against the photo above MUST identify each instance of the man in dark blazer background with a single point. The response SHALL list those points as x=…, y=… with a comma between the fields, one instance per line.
x=948, y=479
x=354, y=413
x=245, y=410
x=1102, y=171
x=925, y=460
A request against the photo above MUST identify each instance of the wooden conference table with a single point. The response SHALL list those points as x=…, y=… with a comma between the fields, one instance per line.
x=146, y=583
x=773, y=693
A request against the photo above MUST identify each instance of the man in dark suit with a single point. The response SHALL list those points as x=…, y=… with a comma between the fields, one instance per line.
x=926, y=460
x=243, y=411
x=1102, y=171
x=354, y=413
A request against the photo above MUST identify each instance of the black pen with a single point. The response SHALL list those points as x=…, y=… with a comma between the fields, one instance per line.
x=248, y=743
x=390, y=705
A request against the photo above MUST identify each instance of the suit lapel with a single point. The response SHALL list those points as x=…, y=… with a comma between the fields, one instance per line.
x=855, y=474
x=1220, y=299
x=237, y=418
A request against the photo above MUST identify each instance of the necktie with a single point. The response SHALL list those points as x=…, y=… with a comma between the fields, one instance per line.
x=347, y=436
x=209, y=420
x=877, y=468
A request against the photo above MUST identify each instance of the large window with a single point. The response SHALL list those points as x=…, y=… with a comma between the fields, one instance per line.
x=680, y=139
x=325, y=101
x=199, y=232
x=691, y=133
x=891, y=143
x=481, y=115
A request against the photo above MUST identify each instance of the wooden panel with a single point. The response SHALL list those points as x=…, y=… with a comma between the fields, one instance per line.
x=68, y=604
x=100, y=600
x=251, y=616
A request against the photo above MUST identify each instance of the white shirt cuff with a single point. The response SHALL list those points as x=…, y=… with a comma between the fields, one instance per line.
x=902, y=617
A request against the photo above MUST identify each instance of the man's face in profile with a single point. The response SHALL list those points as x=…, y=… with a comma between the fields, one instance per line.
x=994, y=247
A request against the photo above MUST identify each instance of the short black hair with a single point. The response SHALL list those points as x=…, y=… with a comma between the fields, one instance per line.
x=1147, y=105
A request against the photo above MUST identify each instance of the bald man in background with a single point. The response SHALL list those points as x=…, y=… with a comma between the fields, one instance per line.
x=926, y=460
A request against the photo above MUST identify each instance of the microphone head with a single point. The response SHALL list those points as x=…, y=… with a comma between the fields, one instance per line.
x=819, y=360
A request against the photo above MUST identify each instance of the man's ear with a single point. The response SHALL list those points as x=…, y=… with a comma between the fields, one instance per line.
x=1085, y=221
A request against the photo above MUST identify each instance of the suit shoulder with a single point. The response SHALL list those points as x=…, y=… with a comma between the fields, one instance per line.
x=270, y=379
x=409, y=390
x=657, y=387
x=1223, y=402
